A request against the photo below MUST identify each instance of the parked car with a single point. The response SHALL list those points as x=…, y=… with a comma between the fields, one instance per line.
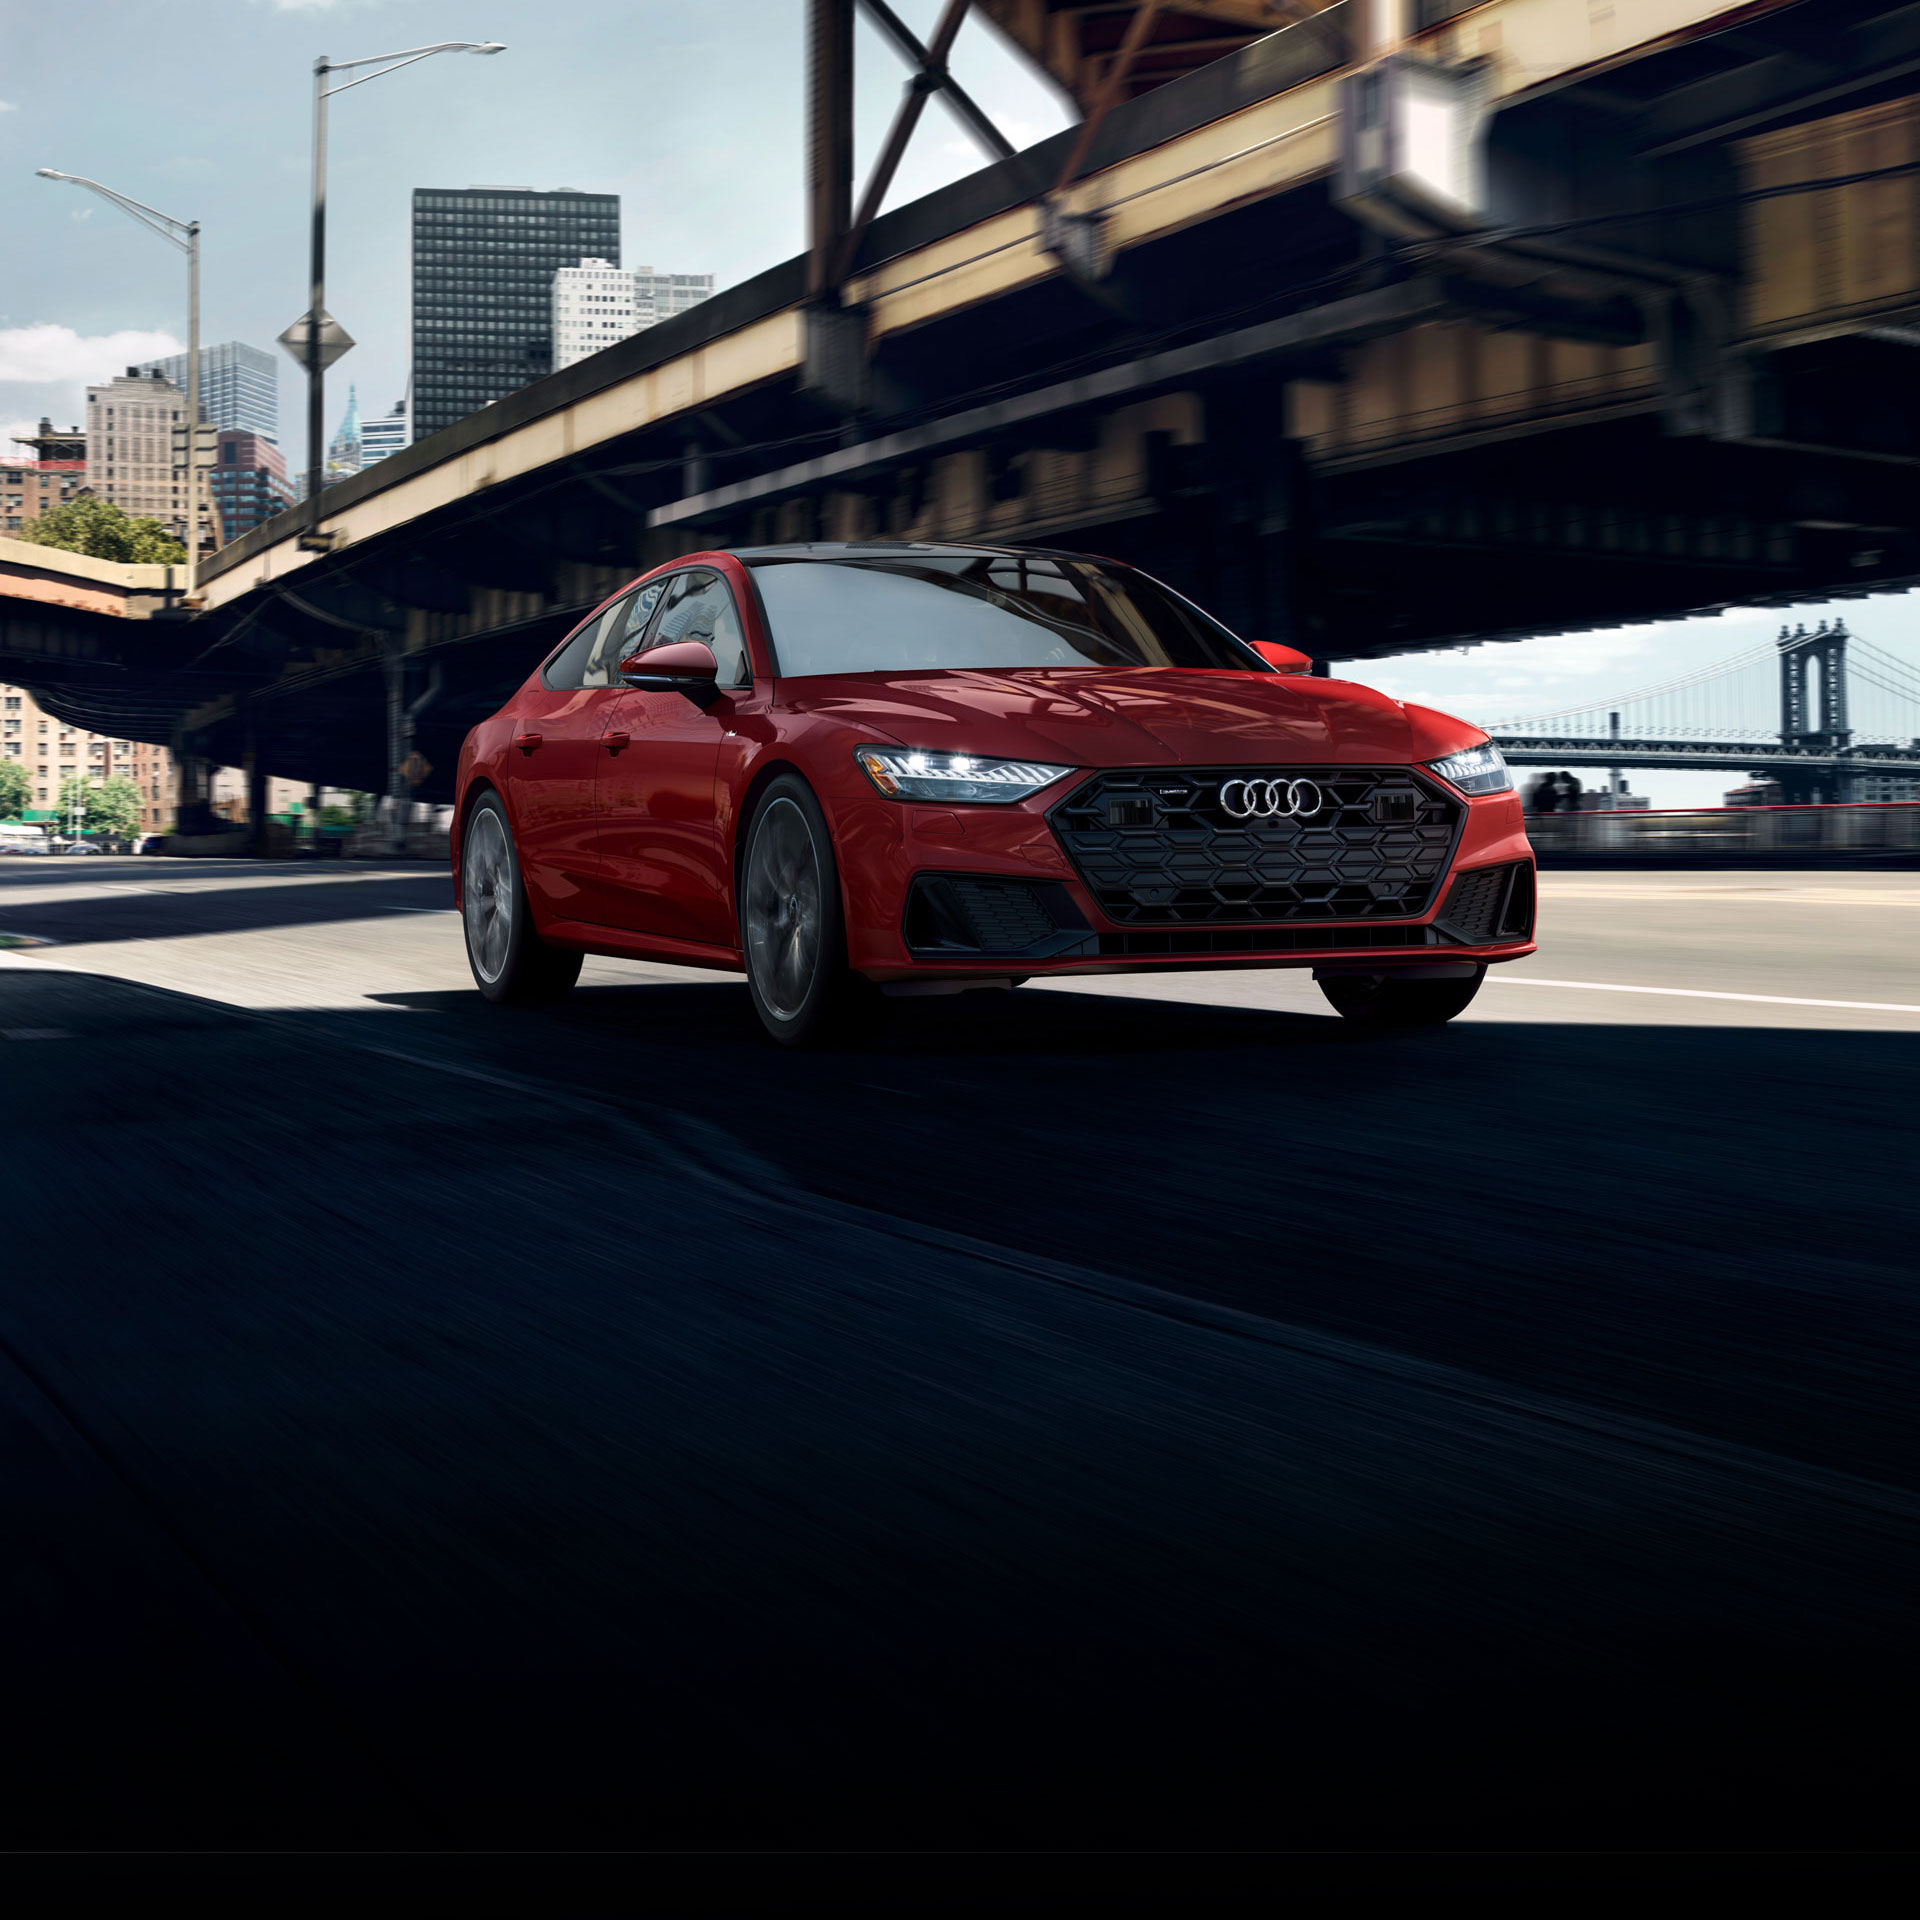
x=916, y=768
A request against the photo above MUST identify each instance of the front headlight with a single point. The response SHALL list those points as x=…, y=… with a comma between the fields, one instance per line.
x=908, y=773
x=1478, y=769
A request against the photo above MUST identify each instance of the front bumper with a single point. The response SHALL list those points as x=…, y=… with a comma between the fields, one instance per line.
x=946, y=893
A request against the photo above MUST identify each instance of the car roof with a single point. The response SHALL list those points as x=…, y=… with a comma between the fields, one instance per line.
x=892, y=549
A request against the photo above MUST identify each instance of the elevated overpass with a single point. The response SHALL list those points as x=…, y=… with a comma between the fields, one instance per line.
x=1664, y=362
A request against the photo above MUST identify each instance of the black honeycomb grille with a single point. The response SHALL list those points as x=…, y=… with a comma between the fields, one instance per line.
x=1158, y=848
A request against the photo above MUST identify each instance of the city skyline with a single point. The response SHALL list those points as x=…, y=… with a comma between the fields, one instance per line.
x=102, y=296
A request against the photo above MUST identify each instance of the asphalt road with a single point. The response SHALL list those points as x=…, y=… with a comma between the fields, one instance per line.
x=1142, y=1416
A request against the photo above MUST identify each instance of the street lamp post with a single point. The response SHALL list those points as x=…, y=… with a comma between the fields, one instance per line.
x=184, y=234
x=317, y=278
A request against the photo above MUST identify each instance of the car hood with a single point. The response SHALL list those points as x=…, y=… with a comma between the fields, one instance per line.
x=1096, y=717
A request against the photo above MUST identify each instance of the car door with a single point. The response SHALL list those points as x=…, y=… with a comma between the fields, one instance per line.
x=661, y=863
x=551, y=766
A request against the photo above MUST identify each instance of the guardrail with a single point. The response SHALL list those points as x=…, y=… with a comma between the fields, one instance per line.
x=1866, y=832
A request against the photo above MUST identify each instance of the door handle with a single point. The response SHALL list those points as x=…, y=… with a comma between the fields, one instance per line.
x=613, y=742
x=526, y=742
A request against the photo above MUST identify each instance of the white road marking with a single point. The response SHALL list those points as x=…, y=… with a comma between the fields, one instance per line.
x=1740, y=896
x=1702, y=993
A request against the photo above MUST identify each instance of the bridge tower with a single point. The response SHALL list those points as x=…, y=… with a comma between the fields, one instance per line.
x=1809, y=722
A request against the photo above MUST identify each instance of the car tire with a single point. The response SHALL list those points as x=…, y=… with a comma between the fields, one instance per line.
x=1378, y=1000
x=512, y=965
x=793, y=933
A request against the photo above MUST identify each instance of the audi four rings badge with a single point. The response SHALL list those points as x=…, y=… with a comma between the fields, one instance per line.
x=1268, y=799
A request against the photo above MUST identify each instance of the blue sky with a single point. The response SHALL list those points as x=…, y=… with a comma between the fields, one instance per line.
x=690, y=110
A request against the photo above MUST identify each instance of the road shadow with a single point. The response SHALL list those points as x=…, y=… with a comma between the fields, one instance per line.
x=1552, y=1484
x=323, y=899
x=983, y=1023
x=1533, y=1199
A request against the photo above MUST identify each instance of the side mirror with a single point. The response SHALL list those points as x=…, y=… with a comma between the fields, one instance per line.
x=683, y=666
x=1284, y=659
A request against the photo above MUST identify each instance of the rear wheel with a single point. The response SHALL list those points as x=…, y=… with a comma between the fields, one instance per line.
x=792, y=930
x=1381, y=1000
x=511, y=963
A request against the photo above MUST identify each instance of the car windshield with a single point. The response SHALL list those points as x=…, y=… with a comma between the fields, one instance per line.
x=911, y=612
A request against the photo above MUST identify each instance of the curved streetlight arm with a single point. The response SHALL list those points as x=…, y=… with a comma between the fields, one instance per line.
x=405, y=57
x=179, y=232
x=184, y=234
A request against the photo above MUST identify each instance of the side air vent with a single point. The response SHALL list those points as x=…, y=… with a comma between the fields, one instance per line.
x=1490, y=904
x=961, y=917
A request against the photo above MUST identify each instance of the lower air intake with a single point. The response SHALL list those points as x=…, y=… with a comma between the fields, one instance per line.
x=1490, y=904
x=959, y=916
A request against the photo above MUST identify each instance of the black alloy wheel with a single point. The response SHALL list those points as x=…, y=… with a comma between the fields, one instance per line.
x=511, y=964
x=792, y=929
x=1380, y=1000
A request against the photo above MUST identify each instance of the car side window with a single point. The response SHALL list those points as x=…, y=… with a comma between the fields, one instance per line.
x=698, y=605
x=567, y=669
x=617, y=634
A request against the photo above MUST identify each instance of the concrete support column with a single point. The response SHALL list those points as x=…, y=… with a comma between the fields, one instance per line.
x=1290, y=609
x=192, y=814
x=256, y=800
x=397, y=790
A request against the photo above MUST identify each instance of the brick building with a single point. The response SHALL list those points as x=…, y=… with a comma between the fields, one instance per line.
x=53, y=752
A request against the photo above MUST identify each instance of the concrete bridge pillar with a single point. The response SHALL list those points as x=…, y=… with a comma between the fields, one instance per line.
x=257, y=827
x=193, y=812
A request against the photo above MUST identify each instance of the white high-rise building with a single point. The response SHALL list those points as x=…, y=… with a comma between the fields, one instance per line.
x=673, y=292
x=597, y=303
x=594, y=304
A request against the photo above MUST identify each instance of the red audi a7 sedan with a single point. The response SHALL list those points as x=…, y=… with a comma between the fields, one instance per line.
x=917, y=768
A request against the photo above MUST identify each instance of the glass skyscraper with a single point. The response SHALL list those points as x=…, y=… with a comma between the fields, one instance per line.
x=483, y=265
x=239, y=386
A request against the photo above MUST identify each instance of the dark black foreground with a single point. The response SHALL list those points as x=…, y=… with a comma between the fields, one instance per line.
x=1061, y=1423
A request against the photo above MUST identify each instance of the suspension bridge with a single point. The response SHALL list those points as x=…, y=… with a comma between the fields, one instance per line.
x=1827, y=714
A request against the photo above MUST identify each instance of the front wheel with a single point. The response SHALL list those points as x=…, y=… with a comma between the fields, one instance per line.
x=511, y=963
x=792, y=930
x=1380, y=1000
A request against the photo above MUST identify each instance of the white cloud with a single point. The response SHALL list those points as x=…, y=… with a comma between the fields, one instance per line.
x=46, y=356
x=10, y=454
x=9, y=106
